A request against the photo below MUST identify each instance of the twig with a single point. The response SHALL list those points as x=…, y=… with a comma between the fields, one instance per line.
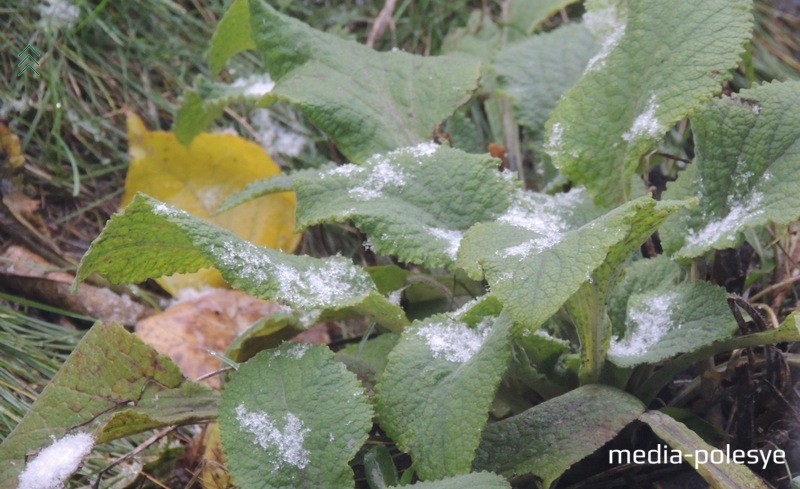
x=383, y=19
x=156, y=436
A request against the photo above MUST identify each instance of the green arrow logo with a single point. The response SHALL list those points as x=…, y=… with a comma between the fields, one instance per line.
x=31, y=55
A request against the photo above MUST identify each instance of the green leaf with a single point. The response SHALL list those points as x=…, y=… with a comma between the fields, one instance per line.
x=526, y=15
x=653, y=70
x=479, y=39
x=414, y=203
x=537, y=71
x=151, y=239
x=640, y=276
x=375, y=351
x=549, y=438
x=282, y=427
x=379, y=468
x=232, y=35
x=681, y=438
x=382, y=101
x=745, y=169
x=434, y=397
x=111, y=373
x=283, y=182
x=540, y=252
x=478, y=480
x=665, y=322
x=188, y=403
x=788, y=331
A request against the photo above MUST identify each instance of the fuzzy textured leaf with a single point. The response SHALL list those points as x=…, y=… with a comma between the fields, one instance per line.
x=671, y=320
x=436, y=365
x=414, y=203
x=382, y=101
x=549, y=438
x=535, y=72
x=544, y=248
x=681, y=438
x=744, y=172
x=653, y=69
x=293, y=417
x=150, y=239
x=268, y=186
x=110, y=373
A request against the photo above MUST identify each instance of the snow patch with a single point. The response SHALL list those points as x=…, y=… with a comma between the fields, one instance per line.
x=57, y=14
x=332, y=282
x=395, y=296
x=273, y=137
x=383, y=174
x=54, y=464
x=716, y=231
x=555, y=142
x=544, y=217
x=287, y=442
x=455, y=341
x=645, y=123
x=256, y=85
x=645, y=326
x=451, y=237
x=610, y=42
x=298, y=351
x=166, y=210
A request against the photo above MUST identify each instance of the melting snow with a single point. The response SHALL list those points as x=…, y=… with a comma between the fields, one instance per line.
x=274, y=137
x=609, y=43
x=455, y=341
x=556, y=140
x=298, y=351
x=453, y=239
x=54, y=464
x=646, y=123
x=717, y=230
x=383, y=175
x=602, y=21
x=288, y=442
x=167, y=210
x=542, y=217
x=645, y=326
x=255, y=85
x=57, y=14
x=332, y=282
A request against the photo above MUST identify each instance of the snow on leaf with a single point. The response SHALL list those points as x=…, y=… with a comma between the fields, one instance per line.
x=281, y=427
x=436, y=364
x=454, y=341
x=287, y=442
x=382, y=101
x=254, y=85
x=645, y=326
x=744, y=173
x=413, y=202
x=55, y=463
x=655, y=67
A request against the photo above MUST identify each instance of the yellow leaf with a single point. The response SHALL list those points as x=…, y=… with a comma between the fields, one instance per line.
x=198, y=178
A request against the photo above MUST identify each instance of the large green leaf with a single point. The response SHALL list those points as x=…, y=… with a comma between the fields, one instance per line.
x=671, y=320
x=681, y=438
x=111, y=375
x=412, y=202
x=744, y=172
x=283, y=182
x=293, y=417
x=540, y=252
x=232, y=35
x=640, y=276
x=478, y=480
x=549, y=438
x=151, y=239
x=653, y=69
x=535, y=72
x=436, y=391
x=368, y=102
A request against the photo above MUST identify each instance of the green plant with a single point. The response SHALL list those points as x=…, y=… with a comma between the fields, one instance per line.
x=573, y=312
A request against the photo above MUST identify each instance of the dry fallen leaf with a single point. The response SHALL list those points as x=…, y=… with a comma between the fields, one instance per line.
x=206, y=322
x=198, y=178
x=30, y=275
